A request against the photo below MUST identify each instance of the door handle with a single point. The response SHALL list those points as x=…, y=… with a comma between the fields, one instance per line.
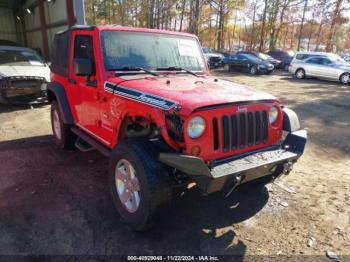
x=104, y=99
x=72, y=81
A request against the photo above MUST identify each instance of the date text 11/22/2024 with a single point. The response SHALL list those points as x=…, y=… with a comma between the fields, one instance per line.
x=173, y=258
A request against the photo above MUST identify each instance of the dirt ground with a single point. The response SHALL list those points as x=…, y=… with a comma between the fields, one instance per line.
x=55, y=202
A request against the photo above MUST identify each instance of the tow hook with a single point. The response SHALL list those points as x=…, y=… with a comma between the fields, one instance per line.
x=237, y=181
x=287, y=168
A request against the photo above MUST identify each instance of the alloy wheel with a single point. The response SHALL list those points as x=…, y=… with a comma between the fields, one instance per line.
x=57, y=125
x=300, y=74
x=127, y=185
x=345, y=79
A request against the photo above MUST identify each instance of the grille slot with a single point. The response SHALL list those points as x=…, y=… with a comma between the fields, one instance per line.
x=215, y=134
x=234, y=132
x=225, y=134
x=265, y=126
x=250, y=129
x=240, y=130
x=257, y=128
x=243, y=129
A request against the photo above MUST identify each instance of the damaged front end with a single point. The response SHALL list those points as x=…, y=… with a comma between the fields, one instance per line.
x=23, y=89
x=227, y=173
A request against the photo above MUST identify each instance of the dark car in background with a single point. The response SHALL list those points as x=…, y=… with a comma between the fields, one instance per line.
x=248, y=63
x=213, y=59
x=276, y=63
x=284, y=56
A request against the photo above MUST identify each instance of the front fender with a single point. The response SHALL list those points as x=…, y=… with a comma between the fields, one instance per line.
x=290, y=120
x=55, y=91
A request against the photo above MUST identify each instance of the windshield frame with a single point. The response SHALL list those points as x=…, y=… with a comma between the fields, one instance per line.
x=174, y=35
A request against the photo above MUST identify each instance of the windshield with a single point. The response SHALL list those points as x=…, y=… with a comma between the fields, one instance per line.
x=20, y=58
x=150, y=51
x=337, y=60
x=252, y=58
x=264, y=56
x=290, y=53
x=207, y=50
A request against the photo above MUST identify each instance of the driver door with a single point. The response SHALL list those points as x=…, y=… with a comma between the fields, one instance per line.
x=84, y=88
x=243, y=63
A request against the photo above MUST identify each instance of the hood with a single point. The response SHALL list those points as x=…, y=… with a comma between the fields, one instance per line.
x=265, y=63
x=42, y=71
x=345, y=67
x=213, y=55
x=192, y=92
x=272, y=60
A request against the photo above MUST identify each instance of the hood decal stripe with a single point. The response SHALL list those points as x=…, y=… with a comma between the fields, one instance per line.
x=139, y=96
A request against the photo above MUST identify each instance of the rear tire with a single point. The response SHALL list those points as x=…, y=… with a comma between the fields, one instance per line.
x=64, y=137
x=300, y=73
x=148, y=187
x=345, y=78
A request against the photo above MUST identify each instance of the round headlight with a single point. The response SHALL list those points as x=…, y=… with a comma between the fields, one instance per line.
x=196, y=127
x=273, y=115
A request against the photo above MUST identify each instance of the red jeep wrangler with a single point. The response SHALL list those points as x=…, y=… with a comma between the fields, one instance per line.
x=145, y=99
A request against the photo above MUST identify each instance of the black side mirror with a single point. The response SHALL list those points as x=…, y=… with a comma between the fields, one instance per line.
x=83, y=66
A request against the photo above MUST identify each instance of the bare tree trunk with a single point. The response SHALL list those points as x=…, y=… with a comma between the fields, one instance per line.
x=311, y=24
x=221, y=25
x=285, y=37
x=252, y=37
x=302, y=25
x=273, y=18
x=281, y=23
x=262, y=31
x=151, y=17
x=182, y=14
x=93, y=11
x=336, y=12
x=121, y=12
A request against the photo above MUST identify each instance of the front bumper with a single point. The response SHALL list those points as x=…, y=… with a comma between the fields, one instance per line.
x=216, y=64
x=23, y=89
x=215, y=176
x=265, y=70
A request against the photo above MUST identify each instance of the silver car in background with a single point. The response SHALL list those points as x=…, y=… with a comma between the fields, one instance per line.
x=325, y=67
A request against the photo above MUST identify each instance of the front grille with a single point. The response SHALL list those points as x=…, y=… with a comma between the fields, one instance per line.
x=215, y=59
x=239, y=131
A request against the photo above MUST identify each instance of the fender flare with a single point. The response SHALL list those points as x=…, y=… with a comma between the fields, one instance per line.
x=55, y=91
x=290, y=120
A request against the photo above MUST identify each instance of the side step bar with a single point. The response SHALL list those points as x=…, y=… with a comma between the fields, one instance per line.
x=88, y=143
x=83, y=146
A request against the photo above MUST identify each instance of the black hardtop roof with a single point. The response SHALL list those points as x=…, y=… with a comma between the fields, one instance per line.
x=77, y=27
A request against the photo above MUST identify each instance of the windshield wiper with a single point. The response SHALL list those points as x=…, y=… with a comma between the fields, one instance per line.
x=174, y=68
x=132, y=68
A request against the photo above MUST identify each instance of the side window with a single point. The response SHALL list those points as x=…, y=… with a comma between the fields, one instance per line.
x=325, y=61
x=241, y=57
x=83, y=48
x=314, y=60
x=300, y=57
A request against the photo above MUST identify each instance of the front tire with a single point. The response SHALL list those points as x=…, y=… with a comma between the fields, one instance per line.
x=139, y=183
x=345, y=78
x=300, y=73
x=253, y=70
x=64, y=137
x=227, y=67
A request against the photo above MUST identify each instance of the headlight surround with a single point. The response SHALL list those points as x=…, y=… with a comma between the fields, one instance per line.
x=196, y=127
x=273, y=115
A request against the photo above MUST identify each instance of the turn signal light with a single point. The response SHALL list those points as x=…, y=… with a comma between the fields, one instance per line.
x=195, y=151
